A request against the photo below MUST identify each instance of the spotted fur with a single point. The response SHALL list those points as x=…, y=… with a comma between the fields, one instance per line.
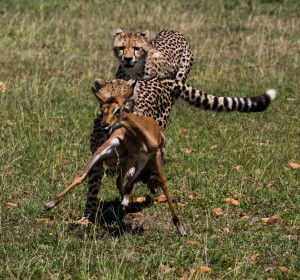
x=168, y=55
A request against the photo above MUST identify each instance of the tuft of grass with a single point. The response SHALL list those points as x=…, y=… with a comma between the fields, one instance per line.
x=50, y=53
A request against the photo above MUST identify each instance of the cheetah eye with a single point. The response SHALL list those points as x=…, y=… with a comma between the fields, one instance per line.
x=136, y=48
x=121, y=48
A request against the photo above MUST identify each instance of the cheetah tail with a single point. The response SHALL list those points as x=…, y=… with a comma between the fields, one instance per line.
x=222, y=103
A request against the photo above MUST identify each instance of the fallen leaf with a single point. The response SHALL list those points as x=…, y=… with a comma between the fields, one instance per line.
x=293, y=165
x=140, y=199
x=244, y=214
x=232, y=201
x=204, y=269
x=181, y=204
x=10, y=123
x=160, y=198
x=192, y=196
x=184, y=130
x=137, y=214
x=15, y=192
x=84, y=221
x=218, y=212
x=274, y=219
x=193, y=243
x=164, y=269
x=245, y=217
x=186, y=150
x=284, y=269
x=76, y=145
x=254, y=257
x=226, y=230
x=203, y=196
x=63, y=161
x=192, y=271
x=237, y=168
x=43, y=220
x=12, y=204
x=265, y=220
x=20, y=192
x=3, y=87
x=214, y=147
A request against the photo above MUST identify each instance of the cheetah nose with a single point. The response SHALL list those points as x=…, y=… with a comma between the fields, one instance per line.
x=128, y=59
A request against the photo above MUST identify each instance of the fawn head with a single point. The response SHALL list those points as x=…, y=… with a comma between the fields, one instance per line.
x=112, y=97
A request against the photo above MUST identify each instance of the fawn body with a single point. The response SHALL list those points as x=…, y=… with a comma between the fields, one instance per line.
x=135, y=141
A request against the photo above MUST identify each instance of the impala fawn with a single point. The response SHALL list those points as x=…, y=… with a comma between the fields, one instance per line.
x=134, y=141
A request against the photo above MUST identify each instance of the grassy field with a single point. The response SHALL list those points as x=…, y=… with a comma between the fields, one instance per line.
x=50, y=54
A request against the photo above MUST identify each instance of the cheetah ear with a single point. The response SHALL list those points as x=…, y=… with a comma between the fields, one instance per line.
x=118, y=32
x=145, y=34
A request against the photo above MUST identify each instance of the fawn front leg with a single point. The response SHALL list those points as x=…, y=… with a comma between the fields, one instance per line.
x=108, y=149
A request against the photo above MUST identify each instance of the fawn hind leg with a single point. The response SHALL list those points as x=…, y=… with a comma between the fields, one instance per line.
x=175, y=219
x=129, y=185
x=127, y=166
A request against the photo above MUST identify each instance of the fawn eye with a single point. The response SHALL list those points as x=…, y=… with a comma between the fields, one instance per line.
x=117, y=111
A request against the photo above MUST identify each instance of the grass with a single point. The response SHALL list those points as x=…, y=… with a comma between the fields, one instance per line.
x=50, y=53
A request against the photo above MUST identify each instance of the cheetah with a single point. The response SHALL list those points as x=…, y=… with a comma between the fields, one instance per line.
x=155, y=98
x=168, y=55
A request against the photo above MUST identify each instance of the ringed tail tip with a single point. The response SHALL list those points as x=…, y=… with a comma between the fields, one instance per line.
x=271, y=93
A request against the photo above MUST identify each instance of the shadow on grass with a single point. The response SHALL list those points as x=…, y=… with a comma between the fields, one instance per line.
x=112, y=218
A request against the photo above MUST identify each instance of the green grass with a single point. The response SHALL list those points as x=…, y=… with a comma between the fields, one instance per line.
x=50, y=53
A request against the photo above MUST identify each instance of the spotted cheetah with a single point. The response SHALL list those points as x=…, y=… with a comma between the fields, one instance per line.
x=155, y=98
x=168, y=55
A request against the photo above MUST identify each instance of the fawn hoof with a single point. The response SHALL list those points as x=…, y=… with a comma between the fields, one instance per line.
x=181, y=231
x=130, y=172
x=49, y=205
x=125, y=203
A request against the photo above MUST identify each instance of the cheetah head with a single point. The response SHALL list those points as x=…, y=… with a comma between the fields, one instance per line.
x=130, y=48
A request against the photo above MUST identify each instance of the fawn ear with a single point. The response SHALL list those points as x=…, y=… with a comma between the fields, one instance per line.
x=145, y=34
x=118, y=32
x=99, y=84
